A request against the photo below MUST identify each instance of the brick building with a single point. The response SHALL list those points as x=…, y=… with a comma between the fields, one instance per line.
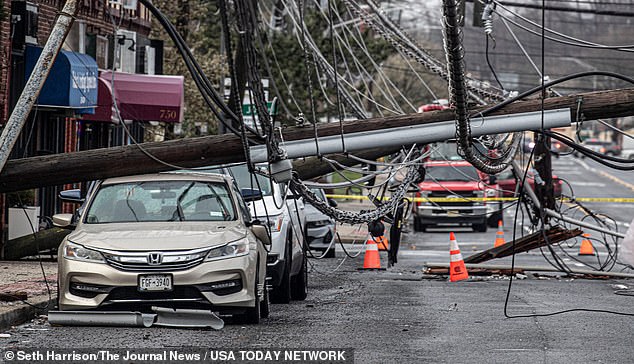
x=107, y=60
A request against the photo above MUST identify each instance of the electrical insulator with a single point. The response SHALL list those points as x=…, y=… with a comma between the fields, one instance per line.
x=487, y=18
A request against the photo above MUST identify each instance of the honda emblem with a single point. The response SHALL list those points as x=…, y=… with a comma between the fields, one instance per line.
x=155, y=258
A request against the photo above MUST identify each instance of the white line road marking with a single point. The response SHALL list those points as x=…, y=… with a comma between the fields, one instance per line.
x=605, y=174
x=567, y=172
x=587, y=184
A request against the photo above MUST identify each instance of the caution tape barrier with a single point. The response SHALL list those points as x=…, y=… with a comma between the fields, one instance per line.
x=488, y=199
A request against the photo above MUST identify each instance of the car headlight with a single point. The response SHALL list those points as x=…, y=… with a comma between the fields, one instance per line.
x=275, y=222
x=318, y=223
x=235, y=249
x=78, y=252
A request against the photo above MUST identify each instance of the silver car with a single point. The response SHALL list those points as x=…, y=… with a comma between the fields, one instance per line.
x=321, y=228
x=179, y=241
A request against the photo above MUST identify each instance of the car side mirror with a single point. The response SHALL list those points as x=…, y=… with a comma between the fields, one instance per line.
x=332, y=202
x=73, y=196
x=63, y=220
x=293, y=196
x=261, y=232
x=251, y=194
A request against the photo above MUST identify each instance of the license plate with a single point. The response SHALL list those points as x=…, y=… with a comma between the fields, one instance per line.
x=155, y=282
x=452, y=213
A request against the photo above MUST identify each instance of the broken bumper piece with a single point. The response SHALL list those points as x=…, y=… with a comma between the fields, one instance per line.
x=161, y=317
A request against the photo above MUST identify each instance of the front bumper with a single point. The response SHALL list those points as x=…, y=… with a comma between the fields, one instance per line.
x=85, y=286
x=456, y=214
x=320, y=238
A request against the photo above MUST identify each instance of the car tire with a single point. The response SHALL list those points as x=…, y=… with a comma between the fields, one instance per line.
x=495, y=218
x=265, y=308
x=56, y=307
x=330, y=253
x=299, y=282
x=253, y=314
x=282, y=293
x=418, y=226
x=481, y=228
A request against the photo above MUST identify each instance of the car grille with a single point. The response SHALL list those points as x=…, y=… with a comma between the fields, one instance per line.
x=161, y=261
x=141, y=267
x=459, y=202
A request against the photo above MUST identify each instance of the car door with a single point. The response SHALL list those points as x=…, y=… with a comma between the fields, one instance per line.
x=296, y=210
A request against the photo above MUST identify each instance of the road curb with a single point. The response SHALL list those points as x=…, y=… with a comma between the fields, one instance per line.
x=23, y=313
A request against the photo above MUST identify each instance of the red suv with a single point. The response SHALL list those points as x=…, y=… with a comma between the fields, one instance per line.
x=508, y=183
x=451, y=180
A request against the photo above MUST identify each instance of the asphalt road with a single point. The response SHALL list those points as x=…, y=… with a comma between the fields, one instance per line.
x=401, y=315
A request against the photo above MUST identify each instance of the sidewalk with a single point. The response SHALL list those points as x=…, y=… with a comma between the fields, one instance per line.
x=25, y=277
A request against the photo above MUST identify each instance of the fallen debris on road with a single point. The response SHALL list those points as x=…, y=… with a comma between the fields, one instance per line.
x=535, y=240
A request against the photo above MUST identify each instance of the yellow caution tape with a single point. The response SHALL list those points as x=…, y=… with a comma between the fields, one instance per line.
x=475, y=199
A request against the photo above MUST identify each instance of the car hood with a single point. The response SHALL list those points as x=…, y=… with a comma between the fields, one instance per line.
x=312, y=214
x=157, y=236
x=451, y=185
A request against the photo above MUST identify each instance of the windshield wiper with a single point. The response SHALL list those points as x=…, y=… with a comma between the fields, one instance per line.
x=179, y=208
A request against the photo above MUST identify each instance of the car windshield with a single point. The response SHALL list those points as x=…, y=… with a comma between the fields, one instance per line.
x=319, y=193
x=245, y=179
x=145, y=201
x=452, y=173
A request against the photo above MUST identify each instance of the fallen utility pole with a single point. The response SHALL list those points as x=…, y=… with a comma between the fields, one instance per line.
x=535, y=240
x=33, y=244
x=552, y=213
x=443, y=268
x=33, y=86
x=415, y=134
x=95, y=164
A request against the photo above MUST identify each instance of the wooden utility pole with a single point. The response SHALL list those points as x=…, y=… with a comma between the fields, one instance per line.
x=544, y=174
x=95, y=164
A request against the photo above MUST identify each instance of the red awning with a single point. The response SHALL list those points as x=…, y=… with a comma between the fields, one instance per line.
x=139, y=97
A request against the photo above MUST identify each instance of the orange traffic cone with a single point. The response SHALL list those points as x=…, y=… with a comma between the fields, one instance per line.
x=371, y=260
x=457, y=269
x=586, y=246
x=381, y=241
x=499, y=236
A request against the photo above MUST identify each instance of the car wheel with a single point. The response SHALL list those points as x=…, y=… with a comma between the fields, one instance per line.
x=56, y=307
x=417, y=224
x=481, y=228
x=495, y=218
x=253, y=314
x=299, y=288
x=330, y=253
x=282, y=293
x=265, y=308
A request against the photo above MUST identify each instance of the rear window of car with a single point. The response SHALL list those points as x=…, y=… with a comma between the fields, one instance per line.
x=246, y=179
x=146, y=201
x=452, y=173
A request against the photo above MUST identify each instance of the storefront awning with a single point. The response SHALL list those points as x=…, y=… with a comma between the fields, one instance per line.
x=71, y=83
x=139, y=97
